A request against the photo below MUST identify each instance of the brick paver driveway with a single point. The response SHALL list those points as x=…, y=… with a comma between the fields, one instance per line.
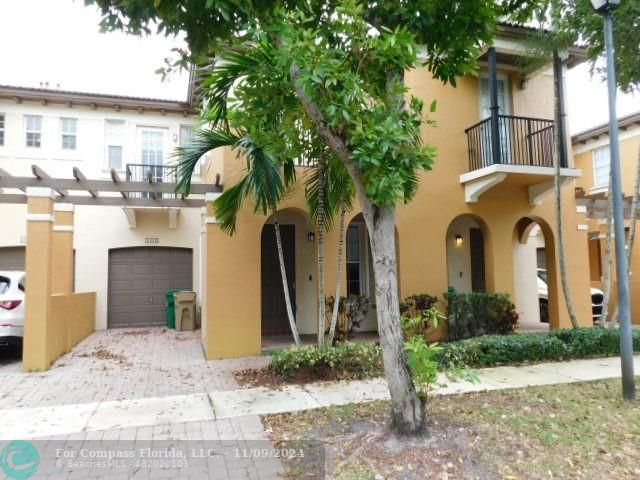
x=130, y=364
x=122, y=364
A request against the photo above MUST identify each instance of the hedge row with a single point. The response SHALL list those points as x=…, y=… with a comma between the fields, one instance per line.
x=567, y=344
x=364, y=359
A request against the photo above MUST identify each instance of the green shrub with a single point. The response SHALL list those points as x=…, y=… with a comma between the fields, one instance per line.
x=475, y=314
x=422, y=360
x=491, y=350
x=360, y=360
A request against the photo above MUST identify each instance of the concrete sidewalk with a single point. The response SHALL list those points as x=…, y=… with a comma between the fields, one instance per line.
x=56, y=420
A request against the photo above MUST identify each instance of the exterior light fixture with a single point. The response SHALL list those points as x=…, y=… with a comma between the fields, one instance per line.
x=458, y=239
x=311, y=237
x=602, y=6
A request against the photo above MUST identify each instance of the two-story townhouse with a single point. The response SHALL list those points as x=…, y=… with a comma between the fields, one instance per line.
x=592, y=156
x=483, y=219
x=129, y=256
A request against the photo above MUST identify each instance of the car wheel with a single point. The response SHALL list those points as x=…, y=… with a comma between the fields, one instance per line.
x=544, y=310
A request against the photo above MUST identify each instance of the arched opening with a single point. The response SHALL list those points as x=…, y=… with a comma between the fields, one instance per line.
x=535, y=279
x=466, y=239
x=299, y=254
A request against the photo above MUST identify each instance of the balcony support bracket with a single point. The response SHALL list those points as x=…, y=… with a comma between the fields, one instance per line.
x=539, y=191
x=474, y=188
x=130, y=213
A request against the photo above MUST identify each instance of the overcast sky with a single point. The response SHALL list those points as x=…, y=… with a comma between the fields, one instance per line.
x=58, y=41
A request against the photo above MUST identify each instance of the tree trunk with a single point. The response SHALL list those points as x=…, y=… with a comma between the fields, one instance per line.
x=321, y=230
x=285, y=284
x=336, y=302
x=606, y=267
x=407, y=411
x=562, y=257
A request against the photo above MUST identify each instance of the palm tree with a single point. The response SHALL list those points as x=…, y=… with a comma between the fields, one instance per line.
x=267, y=181
x=558, y=154
x=329, y=191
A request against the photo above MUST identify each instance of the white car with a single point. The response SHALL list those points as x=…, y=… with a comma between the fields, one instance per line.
x=12, y=285
x=543, y=298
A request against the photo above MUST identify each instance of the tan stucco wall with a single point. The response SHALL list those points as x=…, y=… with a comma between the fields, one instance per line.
x=72, y=319
x=233, y=263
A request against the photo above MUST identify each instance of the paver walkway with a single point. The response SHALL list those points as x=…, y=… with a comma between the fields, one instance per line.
x=219, y=405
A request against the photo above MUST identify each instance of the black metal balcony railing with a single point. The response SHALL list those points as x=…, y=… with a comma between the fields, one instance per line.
x=521, y=140
x=139, y=172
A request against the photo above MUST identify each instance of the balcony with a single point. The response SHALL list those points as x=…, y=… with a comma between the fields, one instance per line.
x=514, y=150
x=138, y=172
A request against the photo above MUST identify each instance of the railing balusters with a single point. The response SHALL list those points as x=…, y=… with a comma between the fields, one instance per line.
x=523, y=141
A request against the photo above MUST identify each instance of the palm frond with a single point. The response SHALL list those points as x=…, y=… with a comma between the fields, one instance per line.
x=187, y=157
x=263, y=182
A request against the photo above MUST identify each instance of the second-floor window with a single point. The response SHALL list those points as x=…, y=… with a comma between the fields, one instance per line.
x=68, y=131
x=115, y=143
x=33, y=130
x=152, y=147
x=1, y=129
x=186, y=135
x=485, y=96
x=601, y=162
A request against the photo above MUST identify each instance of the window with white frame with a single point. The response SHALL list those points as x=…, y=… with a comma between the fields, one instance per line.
x=186, y=135
x=601, y=162
x=1, y=129
x=354, y=280
x=69, y=131
x=152, y=147
x=115, y=131
x=33, y=130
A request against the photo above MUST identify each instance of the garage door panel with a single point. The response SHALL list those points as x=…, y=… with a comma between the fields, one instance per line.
x=12, y=258
x=138, y=281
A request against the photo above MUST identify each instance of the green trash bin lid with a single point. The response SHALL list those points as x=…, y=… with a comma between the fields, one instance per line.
x=170, y=306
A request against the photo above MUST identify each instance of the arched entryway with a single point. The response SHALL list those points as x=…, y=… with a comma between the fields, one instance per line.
x=299, y=254
x=466, y=254
x=535, y=278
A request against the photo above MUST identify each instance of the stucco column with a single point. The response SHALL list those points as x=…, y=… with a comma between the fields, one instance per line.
x=203, y=275
x=231, y=313
x=62, y=259
x=39, y=250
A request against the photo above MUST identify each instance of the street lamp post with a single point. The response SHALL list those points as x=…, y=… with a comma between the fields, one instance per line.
x=606, y=8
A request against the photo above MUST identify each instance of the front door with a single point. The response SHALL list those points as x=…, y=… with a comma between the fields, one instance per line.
x=274, y=309
x=476, y=244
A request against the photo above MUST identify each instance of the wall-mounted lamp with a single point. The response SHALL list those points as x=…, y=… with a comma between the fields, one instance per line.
x=311, y=237
x=175, y=137
x=524, y=83
x=458, y=239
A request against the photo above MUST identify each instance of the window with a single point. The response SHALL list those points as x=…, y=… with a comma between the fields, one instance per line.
x=68, y=130
x=33, y=129
x=115, y=143
x=186, y=135
x=152, y=147
x=1, y=129
x=485, y=97
x=601, y=163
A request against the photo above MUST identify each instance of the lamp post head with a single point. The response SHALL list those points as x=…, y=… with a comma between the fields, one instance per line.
x=604, y=6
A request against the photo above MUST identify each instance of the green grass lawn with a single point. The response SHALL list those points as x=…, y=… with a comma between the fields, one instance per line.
x=580, y=430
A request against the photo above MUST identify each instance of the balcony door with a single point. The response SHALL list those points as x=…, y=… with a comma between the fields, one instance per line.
x=152, y=150
x=504, y=102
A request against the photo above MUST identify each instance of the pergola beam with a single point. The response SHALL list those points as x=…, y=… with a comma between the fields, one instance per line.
x=116, y=185
x=77, y=174
x=112, y=201
x=42, y=175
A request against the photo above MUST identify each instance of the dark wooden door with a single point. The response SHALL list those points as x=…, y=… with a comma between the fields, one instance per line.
x=274, y=308
x=476, y=243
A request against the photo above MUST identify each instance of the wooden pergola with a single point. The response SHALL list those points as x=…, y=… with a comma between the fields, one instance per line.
x=596, y=204
x=80, y=190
